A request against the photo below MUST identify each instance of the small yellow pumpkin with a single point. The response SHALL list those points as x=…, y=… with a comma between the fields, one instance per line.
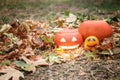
x=91, y=42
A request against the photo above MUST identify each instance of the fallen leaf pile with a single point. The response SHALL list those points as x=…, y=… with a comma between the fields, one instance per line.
x=18, y=43
x=24, y=45
x=11, y=73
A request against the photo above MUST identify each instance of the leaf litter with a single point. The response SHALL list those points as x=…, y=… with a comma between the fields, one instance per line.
x=11, y=73
x=28, y=44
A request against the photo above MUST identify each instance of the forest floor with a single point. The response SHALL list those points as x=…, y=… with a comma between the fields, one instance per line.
x=106, y=68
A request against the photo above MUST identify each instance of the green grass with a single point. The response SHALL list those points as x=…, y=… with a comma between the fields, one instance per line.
x=23, y=4
x=4, y=19
x=112, y=5
x=109, y=6
x=12, y=4
x=42, y=8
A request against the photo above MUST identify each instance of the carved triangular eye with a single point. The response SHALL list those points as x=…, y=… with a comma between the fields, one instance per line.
x=74, y=39
x=62, y=40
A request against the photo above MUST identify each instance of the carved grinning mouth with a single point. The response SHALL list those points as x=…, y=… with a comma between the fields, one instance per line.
x=92, y=45
x=69, y=47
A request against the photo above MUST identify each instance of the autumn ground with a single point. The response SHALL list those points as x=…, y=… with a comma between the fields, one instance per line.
x=105, y=67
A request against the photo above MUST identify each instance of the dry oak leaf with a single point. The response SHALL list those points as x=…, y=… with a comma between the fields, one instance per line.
x=39, y=61
x=33, y=63
x=11, y=73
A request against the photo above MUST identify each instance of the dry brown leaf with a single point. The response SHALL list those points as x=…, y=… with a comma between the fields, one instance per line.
x=11, y=73
x=116, y=24
x=83, y=73
x=37, y=40
x=12, y=55
x=19, y=42
x=5, y=28
x=71, y=18
x=59, y=21
x=33, y=63
x=106, y=44
x=24, y=27
x=28, y=51
x=32, y=24
x=1, y=58
x=39, y=61
x=116, y=38
x=67, y=55
x=77, y=52
x=64, y=57
x=116, y=27
x=22, y=30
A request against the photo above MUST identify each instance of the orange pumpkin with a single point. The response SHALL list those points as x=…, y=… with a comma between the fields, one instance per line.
x=98, y=28
x=91, y=42
x=68, y=39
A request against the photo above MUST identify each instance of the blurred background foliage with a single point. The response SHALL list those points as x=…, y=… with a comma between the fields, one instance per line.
x=23, y=9
x=22, y=4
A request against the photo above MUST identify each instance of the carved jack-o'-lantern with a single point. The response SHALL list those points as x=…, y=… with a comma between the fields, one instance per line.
x=68, y=39
x=91, y=42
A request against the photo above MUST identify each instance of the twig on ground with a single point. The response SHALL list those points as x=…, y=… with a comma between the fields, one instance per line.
x=93, y=75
